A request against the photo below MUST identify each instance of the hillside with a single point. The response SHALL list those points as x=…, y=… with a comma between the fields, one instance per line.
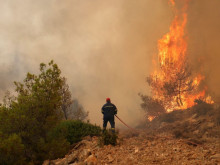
x=141, y=149
x=181, y=137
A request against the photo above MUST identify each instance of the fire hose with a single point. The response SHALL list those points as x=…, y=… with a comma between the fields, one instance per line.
x=188, y=142
x=126, y=124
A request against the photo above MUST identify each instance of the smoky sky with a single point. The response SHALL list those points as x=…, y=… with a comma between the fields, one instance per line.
x=204, y=42
x=104, y=48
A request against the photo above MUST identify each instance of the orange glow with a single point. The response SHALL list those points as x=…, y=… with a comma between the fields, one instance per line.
x=150, y=118
x=172, y=2
x=172, y=68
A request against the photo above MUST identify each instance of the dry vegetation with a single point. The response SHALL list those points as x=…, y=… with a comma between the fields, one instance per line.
x=181, y=137
x=200, y=123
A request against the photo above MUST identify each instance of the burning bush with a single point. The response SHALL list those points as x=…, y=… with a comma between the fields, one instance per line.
x=172, y=88
x=174, y=85
x=152, y=107
x=201, y=107
x=198, y=124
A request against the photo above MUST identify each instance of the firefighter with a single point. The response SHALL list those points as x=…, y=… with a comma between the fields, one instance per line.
x=109, y=111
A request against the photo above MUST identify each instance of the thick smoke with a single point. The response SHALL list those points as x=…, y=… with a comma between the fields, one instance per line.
x=204, y=40
x=104, y=48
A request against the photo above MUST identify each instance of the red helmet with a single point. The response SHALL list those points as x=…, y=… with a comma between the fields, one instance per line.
x=108, y=99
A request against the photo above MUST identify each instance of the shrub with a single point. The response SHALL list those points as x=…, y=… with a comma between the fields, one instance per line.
x=168, y=117
x=202, y=108
x=151, y=106
x=108, y=137
x=11, y=150
x=177, y=133
x=217, y=116
x=75, y=130
x=57, y=148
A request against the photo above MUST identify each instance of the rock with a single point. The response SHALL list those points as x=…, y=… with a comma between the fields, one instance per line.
x=91, y=160
x=84, y=154
x=59, y=162
x=196, y=132
x=177, y=149
x=210, y=124
x=216, y=156
x=80, y=163
x=151, y=149
x=46, y=162
x=110, y=159
x=72, y=158
x=88, y=138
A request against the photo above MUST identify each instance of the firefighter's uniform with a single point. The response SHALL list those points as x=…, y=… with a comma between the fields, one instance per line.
x=109, y=110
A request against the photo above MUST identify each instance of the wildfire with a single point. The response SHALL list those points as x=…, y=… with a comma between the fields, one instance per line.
x=172, y=81
x=150, y=118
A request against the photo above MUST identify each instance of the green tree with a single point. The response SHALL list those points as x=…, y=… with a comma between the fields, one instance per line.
x=34, y=111
x=11, y=150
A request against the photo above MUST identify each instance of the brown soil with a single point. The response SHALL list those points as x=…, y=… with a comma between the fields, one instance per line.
x=144, y=149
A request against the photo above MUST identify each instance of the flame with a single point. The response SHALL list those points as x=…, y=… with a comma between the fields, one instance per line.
x=150, y=118
x=172, y=67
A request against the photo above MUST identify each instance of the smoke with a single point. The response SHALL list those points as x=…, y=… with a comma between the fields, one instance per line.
x=204, y=39
x=104, y=48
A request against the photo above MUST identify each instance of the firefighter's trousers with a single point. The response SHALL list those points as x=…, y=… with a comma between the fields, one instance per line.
x=111, y=120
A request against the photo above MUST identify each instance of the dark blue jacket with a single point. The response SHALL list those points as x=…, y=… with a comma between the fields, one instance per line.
x=109, y=110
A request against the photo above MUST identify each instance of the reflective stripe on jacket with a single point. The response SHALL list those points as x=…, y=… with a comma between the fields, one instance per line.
x=109, y=109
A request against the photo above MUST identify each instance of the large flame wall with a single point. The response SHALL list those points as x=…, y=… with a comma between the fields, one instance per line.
x=173, y=66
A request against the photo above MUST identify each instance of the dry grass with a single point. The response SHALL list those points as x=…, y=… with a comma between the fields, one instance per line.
x=199, y=123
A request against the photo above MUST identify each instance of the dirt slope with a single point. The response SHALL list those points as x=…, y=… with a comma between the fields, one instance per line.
x=143, y=149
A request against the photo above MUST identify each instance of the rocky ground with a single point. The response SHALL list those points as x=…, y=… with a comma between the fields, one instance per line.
x=142, y=148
